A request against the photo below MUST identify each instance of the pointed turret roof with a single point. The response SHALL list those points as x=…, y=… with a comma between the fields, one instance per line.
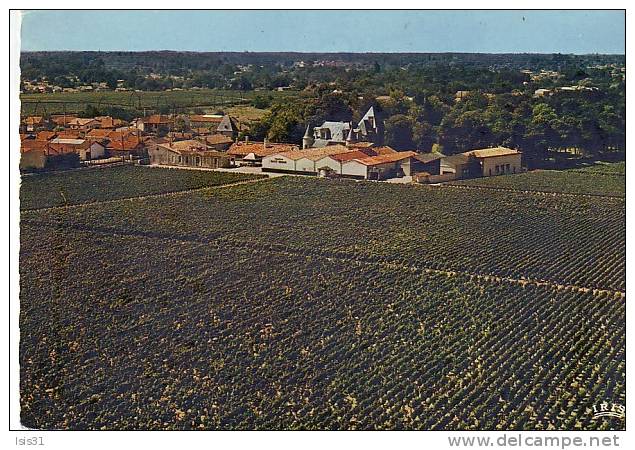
x=307, y=133
x=349, y=138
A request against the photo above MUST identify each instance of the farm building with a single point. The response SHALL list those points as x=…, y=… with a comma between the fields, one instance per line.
x=300, y=161
x=497, y=161
x=190, y=153
x=332, y=164
x=426, y=162
x=85, y=148
x=339, y=160
x=456, y=167
x=252, y=153
x=485, y=162
x=379, y=167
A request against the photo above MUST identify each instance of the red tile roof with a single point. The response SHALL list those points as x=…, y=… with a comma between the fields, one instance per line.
x=386, y=158
x=125, y=143
x=355, y=154
x=259, y=149
x=68, y=134
x=63, y=121
x=46, y=135
x=33, y=144
x=218, y=139
x=156, y=119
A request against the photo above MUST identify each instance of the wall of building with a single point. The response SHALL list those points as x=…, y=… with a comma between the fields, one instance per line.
x=305, y=165
x=162, y=156
x=278, y=162
x=507, y=164
x=34, y=159
x=96, y=151
x=329, y=162
x=354, y=169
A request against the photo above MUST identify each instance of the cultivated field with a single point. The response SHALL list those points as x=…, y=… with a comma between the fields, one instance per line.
x=99, y=184
x=53, y=103
x=600, y=180
x=298, y=303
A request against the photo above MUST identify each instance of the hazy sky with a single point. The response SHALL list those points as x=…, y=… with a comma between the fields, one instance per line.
x=328, y=31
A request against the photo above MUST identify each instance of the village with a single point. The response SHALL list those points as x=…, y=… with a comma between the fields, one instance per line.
x=210, y=142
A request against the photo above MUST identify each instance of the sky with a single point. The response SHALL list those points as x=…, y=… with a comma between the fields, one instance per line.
x=327, y=31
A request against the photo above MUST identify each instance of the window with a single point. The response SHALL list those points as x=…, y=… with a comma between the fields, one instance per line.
x=507, y=168
x=497, y=170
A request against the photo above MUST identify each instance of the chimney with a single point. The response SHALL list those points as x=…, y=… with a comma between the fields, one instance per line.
x=247, y=138
x=264, y=142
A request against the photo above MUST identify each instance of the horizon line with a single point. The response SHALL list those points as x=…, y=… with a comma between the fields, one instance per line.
x=323, y=53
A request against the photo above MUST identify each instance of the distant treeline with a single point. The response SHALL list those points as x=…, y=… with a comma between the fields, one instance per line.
x=176, y=61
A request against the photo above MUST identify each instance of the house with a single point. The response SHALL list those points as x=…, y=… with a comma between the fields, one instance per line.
x=108, y=122
x=125, y=145
x=218, y=142
x=252, y=153
x=82, y=124
x=541, y=92
x=85, y=148
x=33, y=154
x=62, y=120
x=216, y=123
x=497, y=161
x=34, y=123
x=46, y=135
x=207, y=121
x=190, y=153
x=68, y=134
x=227, y=127
x=155, y=123
x=99, y=134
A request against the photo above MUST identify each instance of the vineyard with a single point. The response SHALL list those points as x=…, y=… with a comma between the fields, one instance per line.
x=57, y=103
x=320, y=304
x=601, y=180
x=94, y=185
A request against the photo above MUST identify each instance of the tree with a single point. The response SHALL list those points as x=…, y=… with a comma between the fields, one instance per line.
x=398, y=132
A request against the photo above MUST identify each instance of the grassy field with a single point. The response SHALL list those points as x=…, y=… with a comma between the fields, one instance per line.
x=602, y=180
x=301, y=303
x=94, y=185
x=77, y=101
